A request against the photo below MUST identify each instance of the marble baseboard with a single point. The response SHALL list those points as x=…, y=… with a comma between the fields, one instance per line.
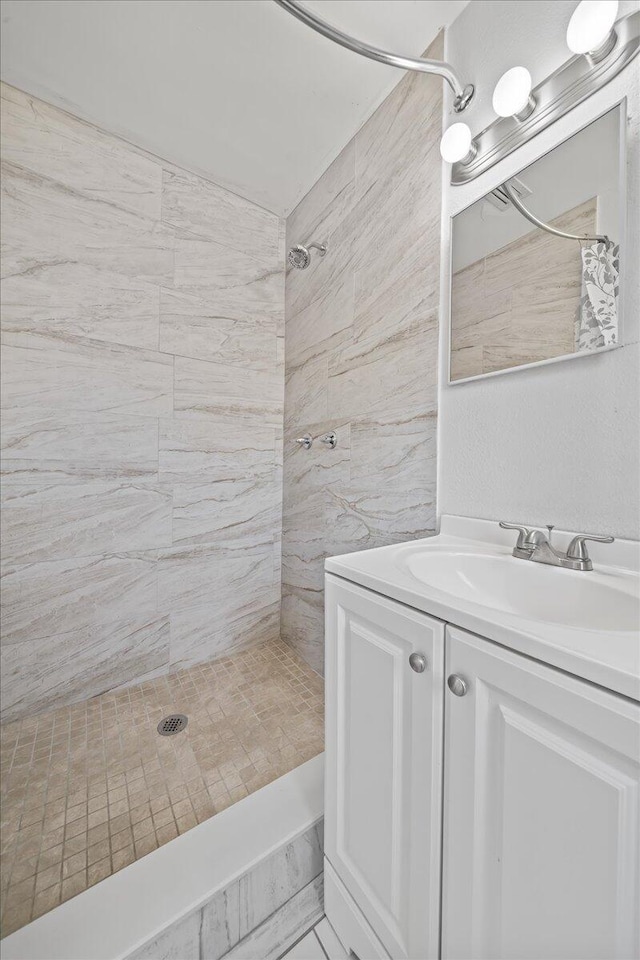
x=256, y=917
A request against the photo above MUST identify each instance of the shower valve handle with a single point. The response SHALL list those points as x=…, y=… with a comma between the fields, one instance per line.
x=305, y=442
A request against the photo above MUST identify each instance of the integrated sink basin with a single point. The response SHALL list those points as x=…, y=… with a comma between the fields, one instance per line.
x=584, y=600
x=586, y=622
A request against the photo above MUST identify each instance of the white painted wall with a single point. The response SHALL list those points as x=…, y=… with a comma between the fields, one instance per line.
x=555, y=444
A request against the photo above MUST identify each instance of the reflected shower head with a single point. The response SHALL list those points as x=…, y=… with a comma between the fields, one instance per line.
x=300, y=257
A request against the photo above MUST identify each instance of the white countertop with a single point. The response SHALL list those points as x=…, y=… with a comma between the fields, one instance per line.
x=610, y=658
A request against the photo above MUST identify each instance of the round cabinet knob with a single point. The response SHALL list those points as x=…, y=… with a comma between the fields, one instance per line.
x=418, y=662
x=457, y=685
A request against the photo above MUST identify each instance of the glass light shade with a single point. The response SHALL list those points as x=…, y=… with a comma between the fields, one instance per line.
x=512, y=94
x=456, y=143
x=591, y=25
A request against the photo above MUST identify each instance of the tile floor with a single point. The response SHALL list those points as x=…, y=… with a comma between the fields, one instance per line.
x=90, y=788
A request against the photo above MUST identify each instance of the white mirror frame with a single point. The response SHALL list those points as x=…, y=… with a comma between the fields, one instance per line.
x=490, y=184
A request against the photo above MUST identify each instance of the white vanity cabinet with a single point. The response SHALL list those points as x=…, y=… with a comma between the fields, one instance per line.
x=501, y=822
x=541, y=812
x=383, y=768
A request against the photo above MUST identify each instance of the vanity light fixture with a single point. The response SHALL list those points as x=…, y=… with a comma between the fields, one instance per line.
x=512, y=94
x=590, y=31
x=456, y=145
x=602, y=46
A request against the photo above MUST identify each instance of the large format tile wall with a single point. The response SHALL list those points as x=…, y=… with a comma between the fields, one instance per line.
x=142, y=399
x=361, y=351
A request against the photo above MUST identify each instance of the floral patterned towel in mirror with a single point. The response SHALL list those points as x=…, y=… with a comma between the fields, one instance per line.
x=597, y=323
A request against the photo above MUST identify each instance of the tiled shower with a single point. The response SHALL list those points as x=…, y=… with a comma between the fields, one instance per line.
x=164, y=536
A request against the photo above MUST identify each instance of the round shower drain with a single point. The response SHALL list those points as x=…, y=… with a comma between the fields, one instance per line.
x=172, y=724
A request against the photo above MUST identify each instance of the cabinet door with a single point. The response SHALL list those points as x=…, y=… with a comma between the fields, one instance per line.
x=541, y=843
x=384, y=764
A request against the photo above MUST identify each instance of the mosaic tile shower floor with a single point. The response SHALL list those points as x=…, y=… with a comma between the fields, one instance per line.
x=90, y=788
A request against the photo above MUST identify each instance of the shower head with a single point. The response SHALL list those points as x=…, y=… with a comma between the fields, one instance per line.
x=299, y=256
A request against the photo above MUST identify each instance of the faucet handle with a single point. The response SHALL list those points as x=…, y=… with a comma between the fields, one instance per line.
x=577, y=549
x=524, y=534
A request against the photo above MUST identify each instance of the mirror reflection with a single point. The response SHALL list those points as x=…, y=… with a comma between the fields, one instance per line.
x=536, y=262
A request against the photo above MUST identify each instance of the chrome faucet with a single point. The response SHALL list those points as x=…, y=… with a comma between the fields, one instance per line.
x=536, y=546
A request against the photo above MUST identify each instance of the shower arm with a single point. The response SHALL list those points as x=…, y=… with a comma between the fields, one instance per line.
x=520, y=207
x=462, y=94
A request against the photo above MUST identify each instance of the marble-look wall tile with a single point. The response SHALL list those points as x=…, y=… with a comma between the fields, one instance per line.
x=391, y=299
x=203, y=388
x=52, y=375
x=237, y=579
x=323, y=283
x=76, y=446
x=192, y=327
x=396, y=376
x=46, y=221
x=75, y=300
x=56, y=145
x=213, y=449
x=314, y=329
x=394, y=447
x=306, y=395
x=59, y=520
x=327, y=204
x=303, y=621
x=400, y=130
x=210, y=631
x=57, y=596
x=71, y=666
x=241, y=286
x=207, y=210
x=362, y=348
x=142, y=520
x=228, y=512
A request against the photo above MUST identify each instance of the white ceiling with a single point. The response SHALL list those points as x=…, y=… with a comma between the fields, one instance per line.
x=237, y=90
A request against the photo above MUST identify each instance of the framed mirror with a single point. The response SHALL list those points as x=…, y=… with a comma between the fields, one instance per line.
x=535, y=263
